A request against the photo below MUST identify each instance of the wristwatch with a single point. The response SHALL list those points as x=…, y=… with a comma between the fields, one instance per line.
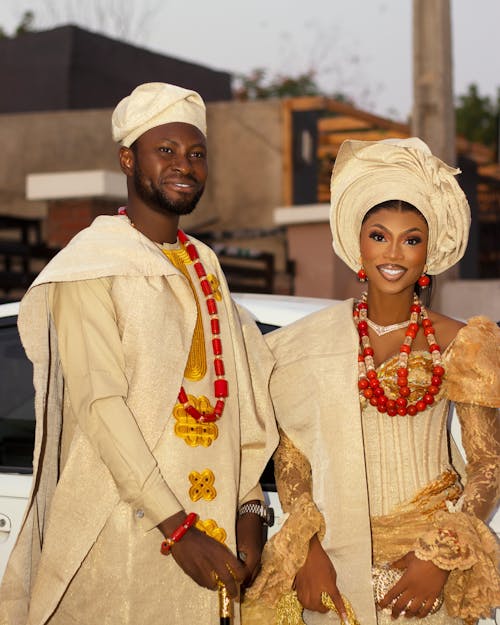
x=266, y=513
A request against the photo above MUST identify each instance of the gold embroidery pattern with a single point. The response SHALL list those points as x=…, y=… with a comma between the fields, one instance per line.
x=215, y=284
x=202, y=485
x=210, y=527
x=196, y=366
x=193, y=432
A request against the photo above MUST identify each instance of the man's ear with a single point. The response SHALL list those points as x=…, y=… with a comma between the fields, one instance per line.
x=127, y=158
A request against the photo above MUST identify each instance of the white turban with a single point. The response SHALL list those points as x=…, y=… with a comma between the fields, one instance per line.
x=153, y=104
x=367, y=173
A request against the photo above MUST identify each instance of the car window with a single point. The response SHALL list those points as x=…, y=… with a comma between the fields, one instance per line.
x=17, y=416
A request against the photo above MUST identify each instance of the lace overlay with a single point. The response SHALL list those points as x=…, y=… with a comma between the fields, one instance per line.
x=285, y=553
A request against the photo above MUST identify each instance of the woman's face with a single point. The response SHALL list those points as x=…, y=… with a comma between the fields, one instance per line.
x=393, y=249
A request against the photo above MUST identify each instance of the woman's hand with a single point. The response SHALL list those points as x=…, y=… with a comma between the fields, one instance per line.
x=316, y=576
x=418, y=588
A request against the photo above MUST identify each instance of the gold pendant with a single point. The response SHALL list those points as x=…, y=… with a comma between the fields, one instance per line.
x=194, y=432
x=202, y=485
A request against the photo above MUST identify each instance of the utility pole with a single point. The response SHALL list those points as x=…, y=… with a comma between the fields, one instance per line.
x=433, y=117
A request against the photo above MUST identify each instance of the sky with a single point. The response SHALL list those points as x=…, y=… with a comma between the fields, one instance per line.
x=362, y=48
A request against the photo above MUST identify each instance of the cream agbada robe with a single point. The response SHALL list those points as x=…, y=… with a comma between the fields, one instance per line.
x=99, y=553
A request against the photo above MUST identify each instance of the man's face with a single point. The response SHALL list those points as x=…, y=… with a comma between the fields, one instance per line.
x=170, y=168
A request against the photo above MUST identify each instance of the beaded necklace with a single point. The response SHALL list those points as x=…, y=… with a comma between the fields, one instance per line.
x=221, y=387
x=368, y=382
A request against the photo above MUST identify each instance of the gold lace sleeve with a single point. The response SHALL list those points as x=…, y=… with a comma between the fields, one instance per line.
x=287, y=550
x=472, y=364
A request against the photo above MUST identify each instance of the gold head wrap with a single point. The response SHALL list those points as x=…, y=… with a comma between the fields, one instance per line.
x=367, y=173
x=153, y=104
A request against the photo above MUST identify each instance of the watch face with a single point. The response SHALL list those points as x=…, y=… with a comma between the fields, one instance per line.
x=270, y=516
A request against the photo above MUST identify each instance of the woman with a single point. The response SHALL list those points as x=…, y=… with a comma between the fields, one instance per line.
x=378, y=517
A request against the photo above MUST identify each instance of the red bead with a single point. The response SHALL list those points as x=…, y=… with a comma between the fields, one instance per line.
x=412, y=410
x=438, y=370
x=368, y=351
x=360, y=358
x=424, y=281
x=192, y=412
x=402, y=412
x=429, y=330
x=415, y=308
x=374, y=383
x=362, y=275
x=191, y=250
x=220, y=387
x=421, y=405
x=363, y=383
x=402, y=381
x=434, y=347
x=436, y=380
x=382, y=407
x=411, y=333
x=401, y=402
x=382, y=400
x=404, y=391
x=368, y=392
x=402, y=372
x=182, y=397
x=211, y=306
x=429, y=398
x=206, y=287
x=217, y=346
x=208, y=418
x=363, y=306
x=405, y=348
x=392, y=412
x=426, y=323
x=373, y=401
x=378, y=392
x=413, y=326
x=181, y=235
x=362, y=325
x=198, y=267
x=219, y=408
x=371, y=374
x=215, y=326
x=433, y=390
x=391, y=404
x=219, y=366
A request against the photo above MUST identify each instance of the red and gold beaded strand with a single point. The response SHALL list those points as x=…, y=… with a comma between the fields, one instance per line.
x=368, y=382
x=221, y=387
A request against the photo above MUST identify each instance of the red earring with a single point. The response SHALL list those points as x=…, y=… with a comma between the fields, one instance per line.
x=362, y=275
x=424, y=281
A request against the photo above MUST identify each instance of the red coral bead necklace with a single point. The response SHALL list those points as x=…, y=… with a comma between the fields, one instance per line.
x=221, y=387
x=368, y=382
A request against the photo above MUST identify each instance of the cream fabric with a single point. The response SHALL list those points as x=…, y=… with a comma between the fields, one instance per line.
x=367, y=173
x=97, y=557
x=154, y=104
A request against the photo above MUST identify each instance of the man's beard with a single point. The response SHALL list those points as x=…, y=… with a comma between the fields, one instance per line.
x=154, y=197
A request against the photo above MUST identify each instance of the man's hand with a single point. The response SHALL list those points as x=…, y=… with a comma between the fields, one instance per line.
x=250, y=541
x=204, y=559
x=418, y=588
x=316, y=576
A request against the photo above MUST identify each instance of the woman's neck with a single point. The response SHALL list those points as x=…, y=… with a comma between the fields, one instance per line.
x=386, y=309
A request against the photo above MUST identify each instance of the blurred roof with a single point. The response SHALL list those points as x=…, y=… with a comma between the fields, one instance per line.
x=71, y=68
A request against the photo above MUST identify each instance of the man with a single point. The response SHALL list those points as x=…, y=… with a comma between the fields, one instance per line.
x=148, y=426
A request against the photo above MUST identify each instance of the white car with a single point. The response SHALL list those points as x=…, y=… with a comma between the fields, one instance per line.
x=17, y=413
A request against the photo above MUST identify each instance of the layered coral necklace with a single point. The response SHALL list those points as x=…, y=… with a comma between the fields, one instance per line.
x=221, y=387
x=368, y=382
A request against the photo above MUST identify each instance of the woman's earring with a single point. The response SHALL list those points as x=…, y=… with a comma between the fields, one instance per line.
x=362, y=275
x=424, y=280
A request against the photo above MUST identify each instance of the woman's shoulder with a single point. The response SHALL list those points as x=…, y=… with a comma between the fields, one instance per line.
x=445, y=328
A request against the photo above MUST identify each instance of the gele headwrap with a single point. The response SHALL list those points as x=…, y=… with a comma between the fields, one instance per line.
x=367, y=173
x=153, y=104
